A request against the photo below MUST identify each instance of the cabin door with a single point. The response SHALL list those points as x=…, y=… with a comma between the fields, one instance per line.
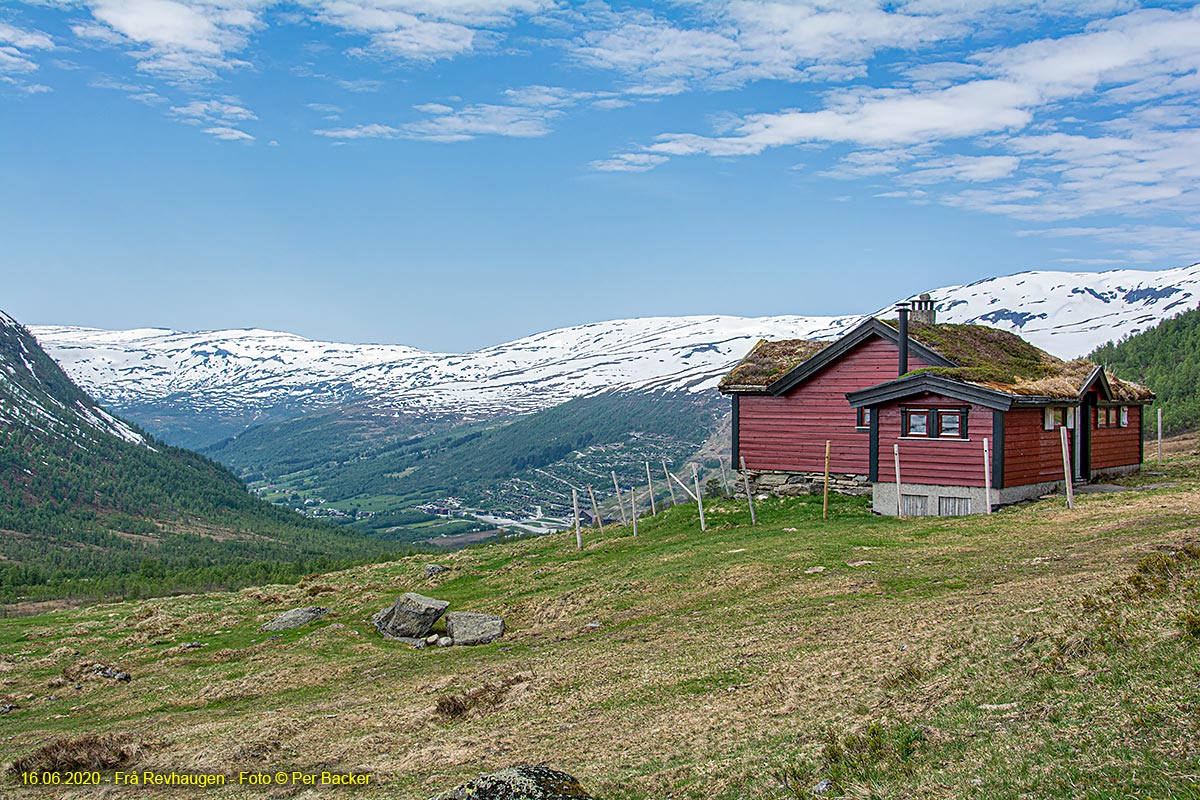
x=1082, y=457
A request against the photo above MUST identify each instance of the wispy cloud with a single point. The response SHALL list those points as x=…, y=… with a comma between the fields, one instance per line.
x=527, y=113
x=424, y=30
x=17, y=61
x=1135, y=242
x=220, y=116
x=228, y=134
x=1135, y=159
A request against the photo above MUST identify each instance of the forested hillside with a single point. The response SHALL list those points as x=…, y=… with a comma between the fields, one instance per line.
x=90, y=506
x=1167, y=359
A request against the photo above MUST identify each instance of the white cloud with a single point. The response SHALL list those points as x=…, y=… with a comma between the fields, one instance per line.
x=964, y=168
x=424, y=30
x=726, y=44
x=228, y=134
x=16, y=55
x=372, y=131
x=201, y=111
x=628, y=162
x=1007, y=114
x=1136, y=242
x=482, y=119
x=182, y=40
x=527, y=114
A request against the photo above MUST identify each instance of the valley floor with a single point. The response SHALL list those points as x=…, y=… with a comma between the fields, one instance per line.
x=1039, y=652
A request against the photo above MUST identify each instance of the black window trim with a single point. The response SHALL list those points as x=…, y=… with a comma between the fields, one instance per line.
x=933, y=422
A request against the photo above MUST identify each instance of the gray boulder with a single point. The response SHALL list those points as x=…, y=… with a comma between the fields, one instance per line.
x=471, y=627
x=410, y=617
x=293, y=619
x=433, y=570
x=522, y=782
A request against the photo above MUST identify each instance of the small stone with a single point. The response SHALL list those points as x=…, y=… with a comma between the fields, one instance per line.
x=823, y=786
x=444, y=641
x=432, y=638
x=193, y=645
x=791, y=530
x=433, y=570
x=592, y=624
x=858, y=563
x=813, y=570
x=294, y=618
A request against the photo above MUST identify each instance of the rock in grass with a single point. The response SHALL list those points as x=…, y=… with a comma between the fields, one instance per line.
x=411, y=616
x=522, y=782
x=433, y=570
x=471, y=627
x=290, y=619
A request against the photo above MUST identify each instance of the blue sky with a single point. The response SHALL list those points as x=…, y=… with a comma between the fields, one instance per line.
x=458, y=173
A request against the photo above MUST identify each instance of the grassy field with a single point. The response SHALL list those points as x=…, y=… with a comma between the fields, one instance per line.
x=1035, y=653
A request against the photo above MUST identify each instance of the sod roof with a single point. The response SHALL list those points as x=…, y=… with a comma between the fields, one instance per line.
x=985, y=356
x=769, y=361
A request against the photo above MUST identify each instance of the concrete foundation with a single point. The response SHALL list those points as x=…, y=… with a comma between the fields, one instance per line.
x=928, y=500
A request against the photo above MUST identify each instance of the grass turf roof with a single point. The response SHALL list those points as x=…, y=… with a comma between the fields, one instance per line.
x=1001, y=360
x=986, y=356
x=768, y=361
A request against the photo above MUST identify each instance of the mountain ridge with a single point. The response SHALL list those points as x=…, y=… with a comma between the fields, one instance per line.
x=199, y=388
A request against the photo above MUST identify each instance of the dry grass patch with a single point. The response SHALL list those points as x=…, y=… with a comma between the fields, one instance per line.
x=87, y=752
x=481, y=699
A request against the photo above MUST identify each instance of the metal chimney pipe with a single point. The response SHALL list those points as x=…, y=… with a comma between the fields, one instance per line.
x=902, y=311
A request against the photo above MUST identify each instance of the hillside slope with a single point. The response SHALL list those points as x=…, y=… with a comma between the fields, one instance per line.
x=1167, y=358
x=1037, y=652
x=89, y=505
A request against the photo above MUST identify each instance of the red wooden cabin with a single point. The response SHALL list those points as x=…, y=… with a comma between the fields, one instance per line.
x=937, y=391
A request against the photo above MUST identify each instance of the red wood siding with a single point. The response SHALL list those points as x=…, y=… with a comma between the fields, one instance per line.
x=1031, y=454
x=939, y=462
x=1117, y=447
x=788, y=433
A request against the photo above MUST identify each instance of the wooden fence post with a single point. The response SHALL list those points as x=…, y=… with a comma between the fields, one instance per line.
x=670, y=488
x=987, y=476
x=620, y=503
x=699, y=497
x=595, y=509
x=650, y=486
x=724, y=479
x=1066, y=455
x=749, y=497
x=578, y=532
x=633, y=509
x=899, y=496
x=825, y=504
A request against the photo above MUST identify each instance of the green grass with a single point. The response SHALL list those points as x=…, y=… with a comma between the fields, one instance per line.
x=1037, y=653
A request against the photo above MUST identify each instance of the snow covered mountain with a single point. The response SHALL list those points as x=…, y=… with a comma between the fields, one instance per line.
x=163, y=379
x=36, y=396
